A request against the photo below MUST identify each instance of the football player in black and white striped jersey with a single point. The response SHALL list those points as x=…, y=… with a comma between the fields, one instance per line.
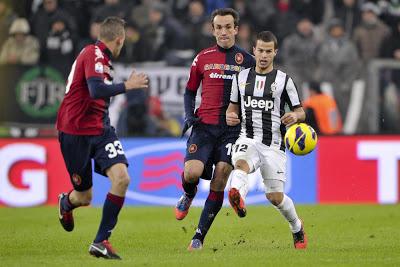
x=259, y=96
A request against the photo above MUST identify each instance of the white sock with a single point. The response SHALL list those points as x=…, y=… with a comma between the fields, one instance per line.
x=240, y=181
x=287, y=209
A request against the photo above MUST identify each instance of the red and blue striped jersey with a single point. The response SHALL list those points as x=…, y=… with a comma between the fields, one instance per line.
x=214, y=68
x=79, y=113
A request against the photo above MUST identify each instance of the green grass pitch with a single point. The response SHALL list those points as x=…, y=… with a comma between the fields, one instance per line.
x=349, y=235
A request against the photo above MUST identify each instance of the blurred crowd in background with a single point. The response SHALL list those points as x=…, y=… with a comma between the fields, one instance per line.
x=325, y=42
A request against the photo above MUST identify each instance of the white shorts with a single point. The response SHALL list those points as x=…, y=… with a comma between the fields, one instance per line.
x=273, y=186
x=270, y=159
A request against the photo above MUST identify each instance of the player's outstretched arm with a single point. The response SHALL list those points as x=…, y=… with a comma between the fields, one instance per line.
x=232, y=114
x=136, y=81
x=297, y=115
x=99, y=89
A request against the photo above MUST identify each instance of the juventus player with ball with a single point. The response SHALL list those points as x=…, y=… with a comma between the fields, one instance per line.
x=259, y=94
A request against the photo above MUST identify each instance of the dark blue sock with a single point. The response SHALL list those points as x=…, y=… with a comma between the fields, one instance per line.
x=189, y=188
x=66, y=203
x=211, y=208
x=111, y=208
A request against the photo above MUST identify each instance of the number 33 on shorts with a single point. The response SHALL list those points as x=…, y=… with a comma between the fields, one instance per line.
x=114, y=149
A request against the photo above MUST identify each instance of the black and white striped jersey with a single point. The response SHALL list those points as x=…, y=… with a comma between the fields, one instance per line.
x=262, y=98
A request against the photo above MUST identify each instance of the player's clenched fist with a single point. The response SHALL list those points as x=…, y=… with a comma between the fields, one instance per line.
x=137, y=81
x=232, y=119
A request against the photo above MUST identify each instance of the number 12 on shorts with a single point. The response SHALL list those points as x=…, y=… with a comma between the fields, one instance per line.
x=236, y=148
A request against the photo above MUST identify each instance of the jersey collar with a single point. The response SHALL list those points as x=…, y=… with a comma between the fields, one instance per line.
x=104, y=48
x=226, y=50
x=272, y=72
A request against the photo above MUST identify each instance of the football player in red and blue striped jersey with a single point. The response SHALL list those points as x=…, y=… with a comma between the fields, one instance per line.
x=85, y=132
x=211, y=139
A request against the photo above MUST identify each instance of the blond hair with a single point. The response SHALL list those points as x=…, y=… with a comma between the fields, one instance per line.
x=111, y=28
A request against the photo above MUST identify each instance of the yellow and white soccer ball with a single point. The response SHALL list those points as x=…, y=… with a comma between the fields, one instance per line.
x=300, y=139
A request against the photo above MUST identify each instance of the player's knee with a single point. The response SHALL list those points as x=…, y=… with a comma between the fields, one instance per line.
x=222, y=171
x=192, y=175
x=242, y=165
x=119, y=178
x=122, y=181
x=275, y=198
x=226, y=170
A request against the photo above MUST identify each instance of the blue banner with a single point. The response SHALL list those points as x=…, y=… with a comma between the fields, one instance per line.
x=155, y=167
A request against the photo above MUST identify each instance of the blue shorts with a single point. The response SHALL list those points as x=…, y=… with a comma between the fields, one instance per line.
x=210, y=144
x=79, y=150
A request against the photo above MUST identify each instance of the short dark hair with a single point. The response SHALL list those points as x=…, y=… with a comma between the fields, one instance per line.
x=267, y=36
x=111, y=28
x=226, y=12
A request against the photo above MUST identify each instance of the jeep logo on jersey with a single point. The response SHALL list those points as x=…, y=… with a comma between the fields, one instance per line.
x=40, y=91
x=258, y=103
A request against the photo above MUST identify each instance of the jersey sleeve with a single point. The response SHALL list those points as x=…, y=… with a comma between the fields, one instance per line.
x=93, y=63
x=195, y=76
x=292, y=96
x=235, y=90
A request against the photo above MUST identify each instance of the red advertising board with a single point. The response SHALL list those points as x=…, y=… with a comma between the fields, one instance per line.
x=32, y=172
x=358, y=169
x=350, y=169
